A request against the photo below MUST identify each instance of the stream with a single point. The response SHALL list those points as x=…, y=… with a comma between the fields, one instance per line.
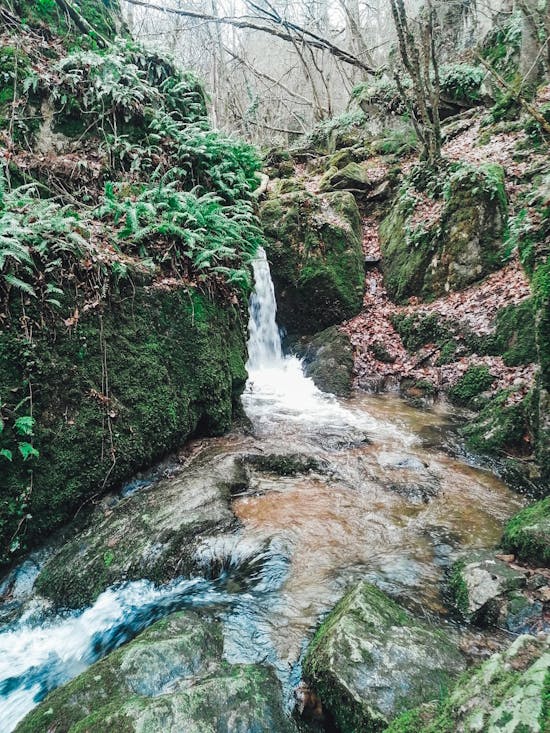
x=389, y=496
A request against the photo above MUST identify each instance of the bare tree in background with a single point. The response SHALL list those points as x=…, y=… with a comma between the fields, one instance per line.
x=418, y=56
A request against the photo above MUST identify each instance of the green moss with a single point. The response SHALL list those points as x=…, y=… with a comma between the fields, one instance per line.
x=515, y=334
x=316, y=258
x=459, y=588
x=416, y=331
x=461, y=242
x=527, y=534
x=499, y=428
x=474, y=381
x=175, y=366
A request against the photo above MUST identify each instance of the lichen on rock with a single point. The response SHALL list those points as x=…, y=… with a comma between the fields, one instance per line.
x=370, y=660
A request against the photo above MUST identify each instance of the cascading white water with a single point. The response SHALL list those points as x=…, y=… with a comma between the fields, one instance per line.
x=264, y=344
x=278, y=390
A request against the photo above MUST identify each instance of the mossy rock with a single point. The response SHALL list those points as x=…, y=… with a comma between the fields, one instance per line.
x=474, y=381
x=351, y=177
x=507, y=694
x=314, y=248
x=370, y=660
x=461, y=246
x=515, y=333
x=104, y=16
x=327, y=358
x=171, y=677
x=527, y=534
x=479, y=582
x=499, y=427
x=174, y=362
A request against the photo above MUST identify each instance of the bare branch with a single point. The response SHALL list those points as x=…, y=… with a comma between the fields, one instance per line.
x=292, y=33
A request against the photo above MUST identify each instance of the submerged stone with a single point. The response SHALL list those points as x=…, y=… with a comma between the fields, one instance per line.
x=370, y=660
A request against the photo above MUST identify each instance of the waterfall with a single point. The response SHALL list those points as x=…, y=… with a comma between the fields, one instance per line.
x=264, y=344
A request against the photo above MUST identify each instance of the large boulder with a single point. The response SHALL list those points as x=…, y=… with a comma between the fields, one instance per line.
x=507, y=694
x=115, y=390
x=440, y=237
x=370, y=660
x=327, y=358
x=528, y=533
x=170, y=678
x=314, y=247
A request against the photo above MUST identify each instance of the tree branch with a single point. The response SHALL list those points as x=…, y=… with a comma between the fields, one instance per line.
x=292, y=33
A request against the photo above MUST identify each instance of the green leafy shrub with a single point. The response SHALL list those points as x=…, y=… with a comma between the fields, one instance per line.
x=383, y=92
x=196, y=233
x=397, y=142
x=461, y=82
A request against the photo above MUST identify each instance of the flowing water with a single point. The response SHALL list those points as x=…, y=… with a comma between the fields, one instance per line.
x=388, y=498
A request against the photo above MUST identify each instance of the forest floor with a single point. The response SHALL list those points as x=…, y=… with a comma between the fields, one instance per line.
x=372, y=332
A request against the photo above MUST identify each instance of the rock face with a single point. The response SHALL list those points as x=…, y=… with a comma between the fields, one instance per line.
x=328, y=360
x=456, y=241
x=175, y=366
x=370, y=660
x=314, y=247
x=152, y=534
x=528, y=534
x=170, y=678
x=507, y=694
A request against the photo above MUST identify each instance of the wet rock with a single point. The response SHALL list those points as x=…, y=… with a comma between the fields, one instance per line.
x=480, y=583
x=395, y=460
x=521, y=614
x=170, y=678
x=528, y=534
x=152, y=534
x=415, y=493
x=370, y=660
x=286, y=464
x=314, y=248
x=507, y=694
x=328, y=360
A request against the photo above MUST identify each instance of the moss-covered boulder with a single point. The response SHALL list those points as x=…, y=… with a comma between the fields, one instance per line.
x=480, y=582
x=170, y=678
x=113, y=390
x=314, y=247
x=508, y=693
x=352, y=177
x=328, y=359
x=501, y=426
x=370, y=660
x=527, y=534
x=457, y=238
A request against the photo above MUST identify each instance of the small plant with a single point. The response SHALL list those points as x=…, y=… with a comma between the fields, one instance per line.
x=474, y=381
